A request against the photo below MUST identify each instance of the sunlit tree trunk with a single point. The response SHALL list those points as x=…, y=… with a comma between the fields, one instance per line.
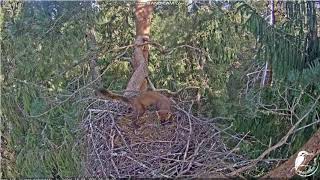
x=139, y=61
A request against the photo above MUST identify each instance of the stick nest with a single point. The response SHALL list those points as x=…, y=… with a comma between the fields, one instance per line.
x=185, y=146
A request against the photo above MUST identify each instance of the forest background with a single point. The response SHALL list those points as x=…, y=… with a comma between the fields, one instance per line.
x=257, y=67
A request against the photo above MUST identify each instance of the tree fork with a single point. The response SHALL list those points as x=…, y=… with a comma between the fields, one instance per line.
x=138, y=81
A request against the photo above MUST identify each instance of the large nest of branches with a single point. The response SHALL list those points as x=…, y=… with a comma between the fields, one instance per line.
x=185, y=146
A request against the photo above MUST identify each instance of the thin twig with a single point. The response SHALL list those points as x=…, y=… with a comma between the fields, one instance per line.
x=280, y=143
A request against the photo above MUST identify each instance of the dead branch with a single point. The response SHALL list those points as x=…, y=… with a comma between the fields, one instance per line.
x=280, y=143
x=168, y=92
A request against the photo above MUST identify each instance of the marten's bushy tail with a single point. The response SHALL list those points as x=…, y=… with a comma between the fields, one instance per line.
x=106, y=94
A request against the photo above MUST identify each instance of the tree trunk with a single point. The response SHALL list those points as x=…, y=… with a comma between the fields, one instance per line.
x=267, y=73
x=92, y=47
x=286, y=170
x=139, y=61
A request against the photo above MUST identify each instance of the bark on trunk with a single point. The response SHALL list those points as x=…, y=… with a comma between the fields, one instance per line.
x=92, y=46
x=286, y=170
x=139, y=61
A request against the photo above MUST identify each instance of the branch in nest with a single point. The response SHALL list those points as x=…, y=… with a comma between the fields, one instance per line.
x=186, y=147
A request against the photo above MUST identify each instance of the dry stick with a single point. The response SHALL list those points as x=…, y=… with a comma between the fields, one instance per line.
x=231, y=167
x=160, y=47
x=71, y=95
x=196, y=152
x=106, y=49
x=140, y=163
x=163, y=157
x=89, y=110
x=296, y=102
x=280, y=143
x=124, y=141
x=236, y=145
x=95, y=150
x=189, y=136
x=135, y=144
x=112, y=145
x=85, y=59
x=216, y=128
x=308, y=125
x=176, y=92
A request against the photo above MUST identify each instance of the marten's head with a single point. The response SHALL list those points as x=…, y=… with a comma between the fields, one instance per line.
x=163, y=115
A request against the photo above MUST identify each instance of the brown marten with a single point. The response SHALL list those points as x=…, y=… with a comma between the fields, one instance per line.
x=141, y=102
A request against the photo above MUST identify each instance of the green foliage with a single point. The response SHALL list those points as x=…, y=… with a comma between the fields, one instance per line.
x=290, y=44
x=38, y=48
x=45, y=73
x=213, y=31
x=44, y=66
x=264, y=112
x=267, y=121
